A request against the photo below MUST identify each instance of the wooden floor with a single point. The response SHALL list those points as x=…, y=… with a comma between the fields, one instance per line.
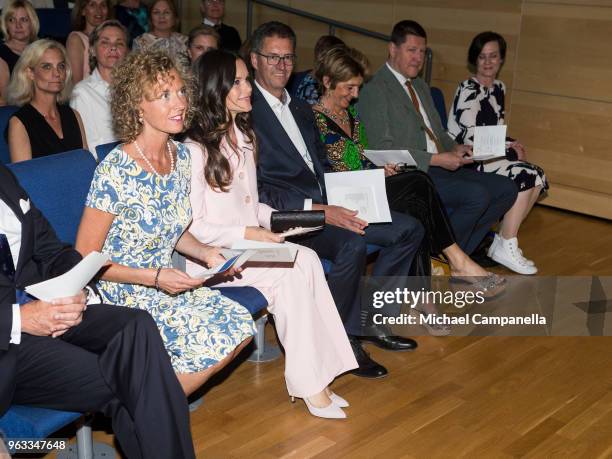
x=454, y=397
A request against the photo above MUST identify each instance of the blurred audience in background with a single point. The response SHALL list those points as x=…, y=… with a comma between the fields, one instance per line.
x=202, y=39
x=19, y=24
x=86, y=15
x=212, y=14
x=91, y=97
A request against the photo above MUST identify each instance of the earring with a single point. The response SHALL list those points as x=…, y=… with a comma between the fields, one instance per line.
x=140, y=119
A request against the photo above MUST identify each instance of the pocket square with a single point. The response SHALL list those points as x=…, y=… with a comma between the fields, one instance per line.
x=25, y=205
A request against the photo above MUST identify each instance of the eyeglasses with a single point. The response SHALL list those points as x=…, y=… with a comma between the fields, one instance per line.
x=273, y=59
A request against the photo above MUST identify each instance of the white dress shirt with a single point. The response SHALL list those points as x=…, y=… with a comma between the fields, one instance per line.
x=284, y=115
x=431, y=145
x=90, y=97
x=11, y=226
x=208, y=22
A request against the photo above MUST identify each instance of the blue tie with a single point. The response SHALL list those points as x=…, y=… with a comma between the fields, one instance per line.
x=7, y=267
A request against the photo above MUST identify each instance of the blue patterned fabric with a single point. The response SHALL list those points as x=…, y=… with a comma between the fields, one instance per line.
x=199, y=327
x=308, y=90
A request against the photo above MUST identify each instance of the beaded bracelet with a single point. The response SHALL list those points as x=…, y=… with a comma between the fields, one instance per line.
x=157, y=278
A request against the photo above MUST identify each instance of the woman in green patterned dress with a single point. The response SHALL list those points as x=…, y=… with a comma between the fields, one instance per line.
x=138, y=211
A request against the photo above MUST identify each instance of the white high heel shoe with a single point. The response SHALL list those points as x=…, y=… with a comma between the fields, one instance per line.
x=337, y=400
x=331, y=411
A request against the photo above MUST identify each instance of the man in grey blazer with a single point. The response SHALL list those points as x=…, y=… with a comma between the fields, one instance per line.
x=398, y=113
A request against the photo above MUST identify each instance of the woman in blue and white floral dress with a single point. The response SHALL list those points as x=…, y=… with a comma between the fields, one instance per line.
x=138, y=211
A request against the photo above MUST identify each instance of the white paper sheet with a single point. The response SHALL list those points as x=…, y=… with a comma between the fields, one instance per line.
x=233, y=259
x=489, y=142
x=265, y=252
x=71, y=282
x=382, y=157
x=363, y=191
x=300, y=230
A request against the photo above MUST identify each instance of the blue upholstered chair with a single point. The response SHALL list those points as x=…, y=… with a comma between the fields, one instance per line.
x=105, y=149
x=38, y=423
x=438, y=99
x=54, y=23
x=5, y=113
x=58, y=185
x=29, y=422
x=295, y=81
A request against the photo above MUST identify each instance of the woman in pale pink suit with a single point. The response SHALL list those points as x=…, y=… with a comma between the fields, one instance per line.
x=226, y=207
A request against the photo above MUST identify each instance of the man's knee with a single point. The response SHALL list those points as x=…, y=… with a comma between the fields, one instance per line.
x=140, y=319
x=476, y=197
x=408, y=228
x=353, y=247
x=422, y=178
x=508, y=191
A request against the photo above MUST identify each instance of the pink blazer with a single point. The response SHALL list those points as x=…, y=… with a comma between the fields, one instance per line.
x=220, y=218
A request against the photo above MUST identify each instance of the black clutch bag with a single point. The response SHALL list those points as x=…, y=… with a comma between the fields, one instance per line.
x=281, y=221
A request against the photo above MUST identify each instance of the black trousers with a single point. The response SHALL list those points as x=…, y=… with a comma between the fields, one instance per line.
x=400, y=241
x=414, y=193
x=114, y=362
x=478, y=200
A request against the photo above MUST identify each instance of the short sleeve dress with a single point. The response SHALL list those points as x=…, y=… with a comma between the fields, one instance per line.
x=199, y=327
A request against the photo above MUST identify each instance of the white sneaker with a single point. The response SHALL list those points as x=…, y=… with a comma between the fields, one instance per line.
x=497, y=240
x=526, y=260
x=507, y=253
x=494, y=244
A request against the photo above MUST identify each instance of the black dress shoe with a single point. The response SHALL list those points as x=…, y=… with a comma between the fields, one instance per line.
x=381, y=337
x=368, y=368
x=480, y=255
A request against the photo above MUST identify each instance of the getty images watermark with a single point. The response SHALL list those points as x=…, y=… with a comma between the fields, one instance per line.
x=528, y=306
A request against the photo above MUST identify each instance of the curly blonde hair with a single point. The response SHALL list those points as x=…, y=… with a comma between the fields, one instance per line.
x=135, y=78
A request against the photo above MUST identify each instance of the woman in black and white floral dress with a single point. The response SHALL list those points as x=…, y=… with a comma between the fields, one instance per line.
x=479, y=101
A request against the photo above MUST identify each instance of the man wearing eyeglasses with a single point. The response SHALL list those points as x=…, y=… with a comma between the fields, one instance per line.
x=291, y=164
x=212, y=15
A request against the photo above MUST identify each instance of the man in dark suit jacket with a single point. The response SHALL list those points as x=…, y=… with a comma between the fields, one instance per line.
x=291, y=165
x=394, y=122
x=212, y=15
x=68, y=356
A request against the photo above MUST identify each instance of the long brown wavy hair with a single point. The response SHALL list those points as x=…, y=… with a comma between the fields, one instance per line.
x=215, y=73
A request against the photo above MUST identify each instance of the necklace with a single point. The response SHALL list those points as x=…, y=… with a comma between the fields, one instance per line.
x=148, y=163
x=341, y=119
